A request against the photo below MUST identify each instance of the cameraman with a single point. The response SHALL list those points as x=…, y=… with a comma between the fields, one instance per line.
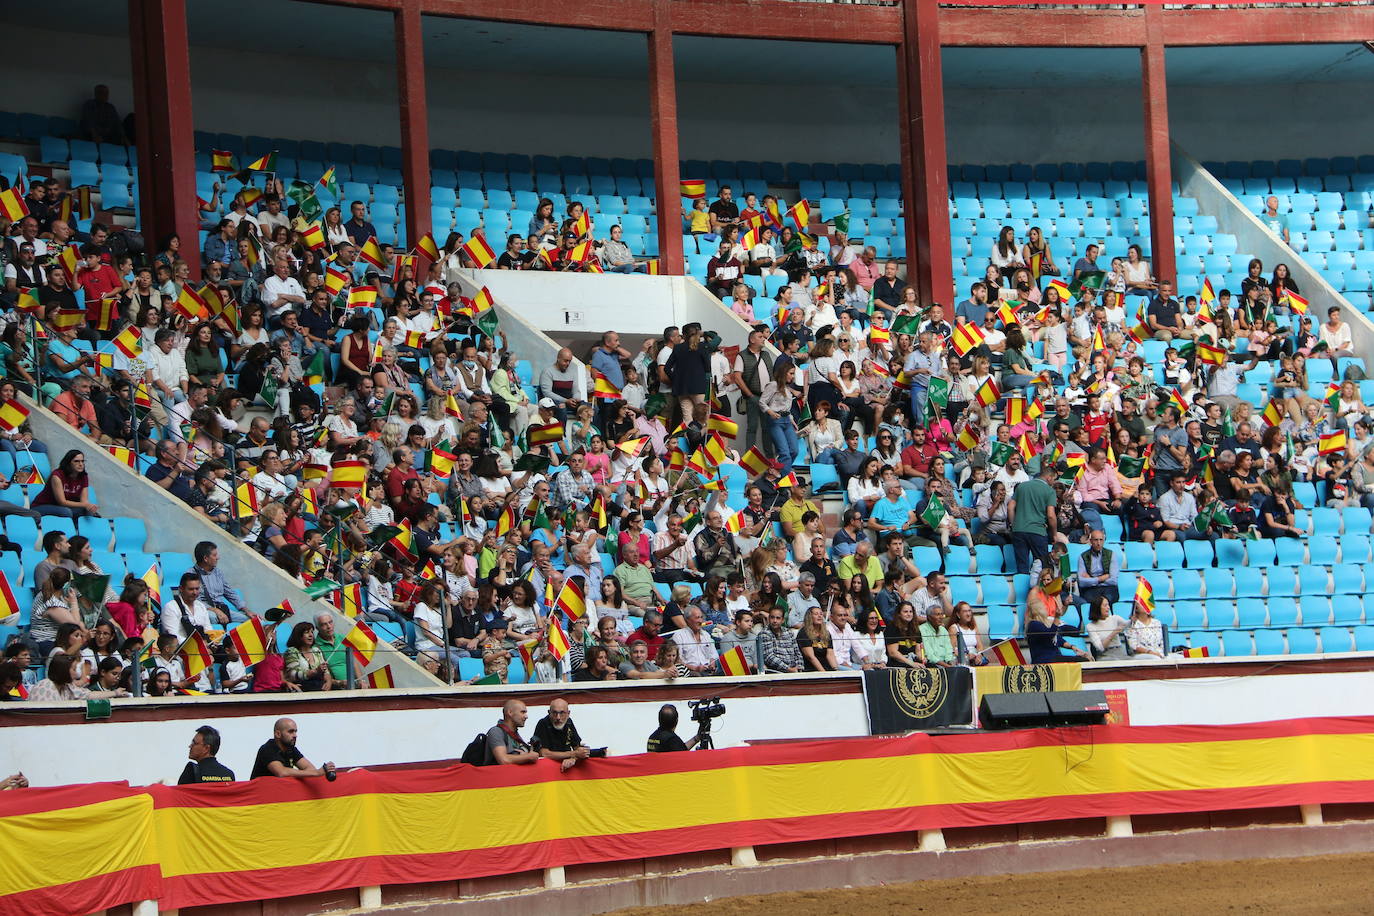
x=556, y=738
x=665, y=738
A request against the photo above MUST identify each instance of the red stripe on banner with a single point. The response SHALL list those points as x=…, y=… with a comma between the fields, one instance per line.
x=89, y=895
x=39, y=800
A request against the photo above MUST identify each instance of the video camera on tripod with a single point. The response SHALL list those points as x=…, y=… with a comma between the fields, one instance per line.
x=703, y=711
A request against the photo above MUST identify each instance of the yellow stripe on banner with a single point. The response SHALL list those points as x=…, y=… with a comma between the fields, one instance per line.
x=73, y=844
x=384, y=824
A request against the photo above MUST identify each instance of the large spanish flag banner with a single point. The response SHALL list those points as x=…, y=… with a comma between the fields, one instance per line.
x=87, y=848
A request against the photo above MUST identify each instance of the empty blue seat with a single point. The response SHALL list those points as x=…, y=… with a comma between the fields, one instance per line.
x=1192, y=615
x=1321, y=551
x=1201, y=639
x=1252, y=612
x=1364, y=639
x=1347, y=610
x=1187, y=585
x=1169, y=555
x=1268, y=642
x=1198, y=553
x=1230, y=554
x=1302, y=641
x=1356, y=519
x=1259, y=553
x=1335, y=639
x=1316, y=609
x=1221, y=583
x=1139, y=556
x=1347, y=579
x=1237, y=643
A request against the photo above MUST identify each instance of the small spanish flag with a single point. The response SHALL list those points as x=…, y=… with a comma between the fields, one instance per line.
x=371, y=252
x=190, y=305
x=66, y=319
x=1016, y=409
x=602, y=388
x=482, y=301
x=651, y=267
x=723, y=425
x=428, y=247
x=987, y=393
x=348, y=475
x=967, y=439
x=313, y=236
x=381, y=679
x=9, y=605
x=787, y=480
x=399, y=263
x=1273, y=413
x=1144, y=595
x=714, y=450
x=1061, y=288
x=677, y=461
x=335, y=280
x=1331, y=443
x=800, y=214
x=451, y=407
x=545, y=432
x=558, y=640
x=28, y=302
x=245, y=500
x=250, y=196
x=1213, y=356
x=1206, y=296
x=734, y=663
x=25, y=476
x=250, y=640
x=1176, y=399
x=694, y=188
x=505, y=521
x=749, y=239
x=1006, y=314
x=12, y=415
x=404, y=541
x=479, y=251
x=221, y=160
x=441, y=463
x=1026, y=447
x=754, y=461
x=105, y=311
x=416, y=339
x=966, y=337
x=196, y=655
x=12, y=205
x=1007, y=652
x=362, y=642
x=632, y=447
x=267, y=163
x=582, y=225
x=572, y=599
x=735, y=523
x=362, y=297
x=1295, y=302
x=348, y=599
x=1197, y=652
x=309, y=504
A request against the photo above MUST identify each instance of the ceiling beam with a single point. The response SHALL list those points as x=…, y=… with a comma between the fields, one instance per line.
x=1291, y=26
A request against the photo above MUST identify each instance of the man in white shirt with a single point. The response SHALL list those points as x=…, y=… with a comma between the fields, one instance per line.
x=695, y=648
x=185, y=610
x=282, y=291
x=272, y=217
x=1178, y=510
x=842, y=636
x=933, y=594
x=167, y=366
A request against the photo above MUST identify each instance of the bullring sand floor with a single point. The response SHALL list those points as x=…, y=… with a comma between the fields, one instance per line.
x=1333, y=884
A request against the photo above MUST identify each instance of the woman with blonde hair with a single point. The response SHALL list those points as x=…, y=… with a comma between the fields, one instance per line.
x=813, y=639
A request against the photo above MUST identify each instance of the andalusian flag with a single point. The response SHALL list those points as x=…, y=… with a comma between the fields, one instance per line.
x=348, y=475
x=1214, y=356
x=381, y=679
x=602, y=388
x=1144, y=595
x=404, y=541
x=266, y=163
x=754, y=461
x=1007, y=652
x=314, y=373
x=694, y=188
x=250, y=641
x=196, y=655
x=313, y=236
x=329, y=181
x=545, y=432
x=934, y=512
x=987, y=393
x=361, y=641
x=1295, y=302
x=348, y=599
x=966, y=337
x=12, y=415
x=479, y=251
x=800, y=214
x=572, y=599
x=221, y=160
x=1331, y=443
x=245, y=500
x=371, y=252
x=1273, y=413
x=428, y=247
x=734, y=663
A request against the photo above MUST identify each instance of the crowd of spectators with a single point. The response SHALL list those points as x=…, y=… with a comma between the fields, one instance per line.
x=397, y=446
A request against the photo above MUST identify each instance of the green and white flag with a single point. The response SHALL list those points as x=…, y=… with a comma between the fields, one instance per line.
x=934, y=512
x=938, y=391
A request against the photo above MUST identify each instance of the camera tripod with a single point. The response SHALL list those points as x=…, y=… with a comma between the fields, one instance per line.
x=704, y=733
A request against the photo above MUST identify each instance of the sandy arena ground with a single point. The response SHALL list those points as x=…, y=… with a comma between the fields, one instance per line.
x=1336, y=884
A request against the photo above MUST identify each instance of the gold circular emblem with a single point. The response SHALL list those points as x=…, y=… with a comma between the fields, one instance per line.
x=919, y=692
x=1027, y=678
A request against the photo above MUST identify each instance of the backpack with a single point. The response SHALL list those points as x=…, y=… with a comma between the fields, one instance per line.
x=475, y=754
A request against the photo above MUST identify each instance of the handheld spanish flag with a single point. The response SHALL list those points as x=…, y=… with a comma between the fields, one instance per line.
x=129, y=342
x=313, y=236
x=362, y=297
x=1176, y=399
x=694, y=188
x=631, y=447
x=1026, y=447
x=9, y=605
x=1197, y=652
x=967, y=439
x=28, y=302
x=1206, y=296
x=558, y=640
x=404, y=541
x=582, y=225
x=1213, y=356
x=371, y=252
x=755, y=461
x=543, y=433
x=1007, y=652
x=349, y=600
x=221, y=160
x=267, y=163
x=505, y=521
x=66, y=319
x=987, y=393
x=1062, y=288
x=734, y=663
x=381, y=679
x=250, y=641
x=154, y=579
x=479, y=251
x=1295, y=302
x=441, y=463
x=1016, y=409
x=714, y=450
x=28, y=475
x=735, y=523
x=362, y=642
x=399, y=263
x=723, y=425
x=348, y=475
x=1331, y=443
x=428, y=247
x=196, y=655
x=245, y=500
x=572, y=599
x=105, y=311
x=190, y=305
x=335, y=280
x=749, y=239
x=12, y=415
x=787, y=480
x=602, y=388
x=1273, y=413
x=966, y=337
x=1144, y=595
x=250, y=196
x=800, y=214
x=482, y=301
x=310, y=507
x=1006, y=314
x=12, y=205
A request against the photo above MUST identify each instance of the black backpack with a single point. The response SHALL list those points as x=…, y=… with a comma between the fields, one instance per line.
x=475, y=753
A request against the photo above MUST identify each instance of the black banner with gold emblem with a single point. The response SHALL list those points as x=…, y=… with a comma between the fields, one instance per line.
x=907, y=699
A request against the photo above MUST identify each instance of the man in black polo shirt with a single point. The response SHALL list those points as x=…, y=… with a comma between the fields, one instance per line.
x=279, y=756
x=556, y=738
x=724, y=212
x=664, y=738
x=203, y=767
x=1164, y=317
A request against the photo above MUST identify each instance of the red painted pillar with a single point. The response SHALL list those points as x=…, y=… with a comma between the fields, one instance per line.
x=913, y=259
x=1158, y=165
x=663, y=125
x=923, y=111
x=410, y=81
x=164, y=128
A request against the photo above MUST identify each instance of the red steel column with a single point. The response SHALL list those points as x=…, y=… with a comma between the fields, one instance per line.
x=927, y=209
x=663, y=124
x=908, y=185
x=1158, y=165
x=410, y=83
x=164, y=131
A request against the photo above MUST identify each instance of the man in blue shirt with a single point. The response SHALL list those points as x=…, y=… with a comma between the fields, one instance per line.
x=358, y=228
x=893, y=514
x=974, y=309
x=222, y=247
x=606, y=358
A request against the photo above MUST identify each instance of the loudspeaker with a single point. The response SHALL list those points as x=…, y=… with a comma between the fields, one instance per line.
x=1014, y=710
x=1077, y=707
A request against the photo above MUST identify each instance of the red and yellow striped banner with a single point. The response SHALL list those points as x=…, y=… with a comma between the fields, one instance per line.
x=359, y=830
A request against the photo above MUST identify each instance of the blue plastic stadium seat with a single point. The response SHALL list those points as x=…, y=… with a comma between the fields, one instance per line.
x=1187, y=585
x=1348, y=579
x=1260, y=553
x=1237, y=643
x=1335, y=639
x=1169, y=555
x=1139, y=556
x=1364, y=639
x=1316, y=610
x=1268, y=642
x=1347, y=610
x=1302, y=641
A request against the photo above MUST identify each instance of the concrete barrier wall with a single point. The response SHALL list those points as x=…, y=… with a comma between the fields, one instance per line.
x=174, y=527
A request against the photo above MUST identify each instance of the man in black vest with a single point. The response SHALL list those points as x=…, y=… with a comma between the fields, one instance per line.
x=1098, y=569
x=203, y=767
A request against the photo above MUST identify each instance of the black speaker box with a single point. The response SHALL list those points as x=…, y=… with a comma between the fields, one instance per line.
x=1077, y=707
x=1014, y=710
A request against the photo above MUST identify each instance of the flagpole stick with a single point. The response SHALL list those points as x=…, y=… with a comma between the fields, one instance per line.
x=443, y=603
x=136, y=681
